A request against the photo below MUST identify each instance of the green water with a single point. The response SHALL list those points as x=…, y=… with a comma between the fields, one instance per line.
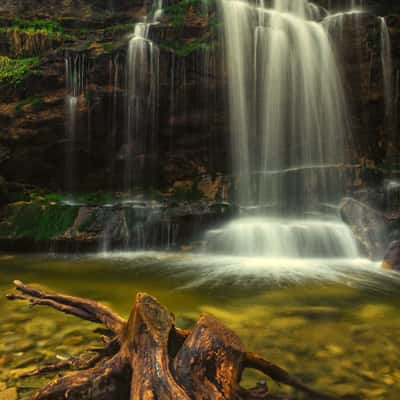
x=341, y=337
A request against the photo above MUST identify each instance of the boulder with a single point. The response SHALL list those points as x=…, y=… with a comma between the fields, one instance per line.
x=368, y=226
x=391, y=260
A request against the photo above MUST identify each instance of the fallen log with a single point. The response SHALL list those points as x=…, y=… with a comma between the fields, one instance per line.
x=148, y=358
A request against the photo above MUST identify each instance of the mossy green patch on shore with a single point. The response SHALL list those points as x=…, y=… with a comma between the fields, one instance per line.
x=33, y=220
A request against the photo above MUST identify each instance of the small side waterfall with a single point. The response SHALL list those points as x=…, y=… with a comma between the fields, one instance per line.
x=76, y=65
x=387, y=73
x=141, y=118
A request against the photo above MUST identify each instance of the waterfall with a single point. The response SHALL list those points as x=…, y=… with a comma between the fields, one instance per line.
x=141, y=109
x=387, y=73
x=76, y=66
x=263, y=237
x=392, y=195
x=290, y=131
x=288, y=112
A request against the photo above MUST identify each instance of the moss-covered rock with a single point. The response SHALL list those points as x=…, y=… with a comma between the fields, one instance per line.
x=36, y=220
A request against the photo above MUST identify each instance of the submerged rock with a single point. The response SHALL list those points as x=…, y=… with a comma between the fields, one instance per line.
x=9, y=394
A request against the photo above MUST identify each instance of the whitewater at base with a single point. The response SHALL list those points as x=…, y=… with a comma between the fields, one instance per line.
x=207, y=270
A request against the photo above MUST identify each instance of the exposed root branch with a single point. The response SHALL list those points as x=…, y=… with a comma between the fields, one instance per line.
x=148, y=358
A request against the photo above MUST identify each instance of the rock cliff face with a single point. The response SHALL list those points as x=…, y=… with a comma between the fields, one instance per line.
x=192, y=157
x=191, y=126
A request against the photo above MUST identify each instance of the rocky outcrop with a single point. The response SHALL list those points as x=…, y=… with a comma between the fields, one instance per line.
x=123, y=224
x=192, y=123
x=391, y=260
x=368, y=225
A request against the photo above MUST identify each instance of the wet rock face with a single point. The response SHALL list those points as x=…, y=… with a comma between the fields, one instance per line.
x=391, y=260
x=368, y=226
x=130, y=225
x=193, y=118
x=192, y=121
x=62, y=8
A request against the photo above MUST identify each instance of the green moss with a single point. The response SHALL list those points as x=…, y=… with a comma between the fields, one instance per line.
x=15, y=71
x=35, y=103
x=188, y=194
x=55, y=221
x=109, y=47
x=120, y=28
x=184, y=48
x=53, y=197
x=51, y=28
x=38, y=221
x=94, y=198
x=177, y=12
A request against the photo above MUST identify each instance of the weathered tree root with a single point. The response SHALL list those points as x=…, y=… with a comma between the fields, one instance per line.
x=148, y=358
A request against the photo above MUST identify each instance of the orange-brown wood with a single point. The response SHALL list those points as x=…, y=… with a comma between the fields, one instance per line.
x=148, y=358
x=208, y=365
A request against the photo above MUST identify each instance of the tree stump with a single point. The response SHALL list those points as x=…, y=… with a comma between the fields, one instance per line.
x=148, y=358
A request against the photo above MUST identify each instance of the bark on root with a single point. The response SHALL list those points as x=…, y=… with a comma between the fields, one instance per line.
x=148, y=358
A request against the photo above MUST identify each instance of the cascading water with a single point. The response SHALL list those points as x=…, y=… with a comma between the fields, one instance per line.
x=387, y=73
x=76, y=66
x=289, y=131
x=288, y=113
x=291, y=238
x=142, y=87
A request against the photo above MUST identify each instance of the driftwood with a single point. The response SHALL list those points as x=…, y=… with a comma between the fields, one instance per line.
x=148, y=358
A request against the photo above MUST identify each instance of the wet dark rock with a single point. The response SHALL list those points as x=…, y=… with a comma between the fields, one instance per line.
x=129, y=225
x=5, y=153
x=391, y=260
x=368, y=225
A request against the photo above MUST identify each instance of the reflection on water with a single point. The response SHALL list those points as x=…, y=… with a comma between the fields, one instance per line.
x=334, y=324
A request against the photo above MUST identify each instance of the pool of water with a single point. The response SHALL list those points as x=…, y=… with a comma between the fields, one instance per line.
x=335, y=324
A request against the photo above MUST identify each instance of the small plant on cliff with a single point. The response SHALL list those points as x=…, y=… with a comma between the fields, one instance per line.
x=34, y=103
x=201, y=10
x=120, y=28
x=177, y=12
x=183, y=48
x=51, y=28
x=15, y=71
